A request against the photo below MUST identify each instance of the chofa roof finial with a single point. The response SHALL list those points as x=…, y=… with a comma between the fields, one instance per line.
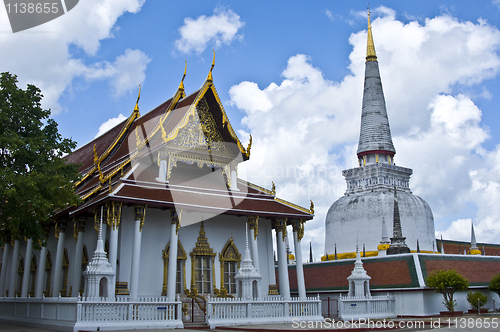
x=209, y=78
x=136, y=108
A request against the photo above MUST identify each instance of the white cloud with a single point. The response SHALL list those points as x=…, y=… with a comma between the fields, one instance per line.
x=41, y=55
x=219, y=29
x=306, y=127
x=111, y=123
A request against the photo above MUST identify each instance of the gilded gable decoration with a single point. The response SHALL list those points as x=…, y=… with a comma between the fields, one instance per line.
x=202, y=247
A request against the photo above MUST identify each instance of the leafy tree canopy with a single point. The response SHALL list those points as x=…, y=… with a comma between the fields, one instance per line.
x=494, y=285
x=476, y=299
x=35, y=180
x=447, y=282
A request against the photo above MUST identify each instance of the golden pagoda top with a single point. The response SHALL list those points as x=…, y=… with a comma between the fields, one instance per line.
x=370, y=49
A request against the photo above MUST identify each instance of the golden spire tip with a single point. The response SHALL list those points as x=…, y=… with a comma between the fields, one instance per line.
x=370, y=49
x=209, y=78
x=136, y=108
x=181, y=86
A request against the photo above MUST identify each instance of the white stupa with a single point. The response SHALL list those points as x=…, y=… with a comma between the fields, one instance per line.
x=369, y=198
x=99, y=275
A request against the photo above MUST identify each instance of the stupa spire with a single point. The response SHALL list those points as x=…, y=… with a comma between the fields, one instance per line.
x=398, y=244
x=474, y=250
x=370, y=49
x=375, y=140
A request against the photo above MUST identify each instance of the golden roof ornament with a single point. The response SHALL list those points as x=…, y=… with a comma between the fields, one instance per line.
x=311, y=208
x=273, y=189
x=136, y=108
x=249, y=146
x=209, y=78
x=181, y=86
x=370, y=49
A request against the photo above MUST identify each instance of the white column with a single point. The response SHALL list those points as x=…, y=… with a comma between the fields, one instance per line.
x=13, y=269
x=253, y=222
x=162, y=172
x=298, y=232
x=172, y=257
x=57, y=269
x=282, y=264
x=116, y=211
x=113, y=247
x=40, y=272
x=3, y=273
x=234, y=177
x=140, y=211
x=77, y=265
x=27, y=266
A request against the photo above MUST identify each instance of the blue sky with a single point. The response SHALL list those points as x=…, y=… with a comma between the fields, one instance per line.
x=290, y=73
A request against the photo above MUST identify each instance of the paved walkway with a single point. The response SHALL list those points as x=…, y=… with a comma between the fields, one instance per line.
x=467, y=323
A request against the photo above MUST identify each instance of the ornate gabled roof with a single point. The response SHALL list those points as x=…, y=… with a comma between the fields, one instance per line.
x=375, y=133
x=109, y=162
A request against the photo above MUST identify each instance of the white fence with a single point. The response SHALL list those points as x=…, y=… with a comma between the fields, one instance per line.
x=74, y=314
x=225, y=312
x=367, y=307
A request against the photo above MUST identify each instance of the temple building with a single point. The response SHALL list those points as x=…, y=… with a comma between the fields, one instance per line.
x=167, y=185
x=361, y=215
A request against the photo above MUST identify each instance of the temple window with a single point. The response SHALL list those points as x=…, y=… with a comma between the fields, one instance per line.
x=65, y=267
x=20, y=274
x=202, y=264
x=202, y=273
x=32, y=280
x=230, y=259
x=180, y=278
x=48, y=272
x=85, y=262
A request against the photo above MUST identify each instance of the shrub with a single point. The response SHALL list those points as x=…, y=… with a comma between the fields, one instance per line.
x=447, y=282
x=476, y=300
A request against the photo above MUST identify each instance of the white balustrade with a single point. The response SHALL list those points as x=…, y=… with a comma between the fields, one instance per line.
x=367, y=307
x=221, y=311
x=157, y=312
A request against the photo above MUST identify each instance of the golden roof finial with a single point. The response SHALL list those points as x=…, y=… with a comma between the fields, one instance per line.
x=181, y=86
x=136, y=108
x=370, y=49
x=209, y=78
x=249, y=146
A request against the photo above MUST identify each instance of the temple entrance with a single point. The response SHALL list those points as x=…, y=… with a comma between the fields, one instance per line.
x=194, y=310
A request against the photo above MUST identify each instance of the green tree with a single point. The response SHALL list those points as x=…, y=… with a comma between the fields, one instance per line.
x=35, y=180
x=447, y=282
x=494, y=285
x=476, y=299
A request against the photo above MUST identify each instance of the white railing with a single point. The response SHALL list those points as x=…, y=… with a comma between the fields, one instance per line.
x=126, y=309
x=91, y=313
x=60, y=308
x=367, y=307
x=222, y=311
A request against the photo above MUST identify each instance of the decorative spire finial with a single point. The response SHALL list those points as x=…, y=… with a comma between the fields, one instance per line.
x=209, y=78
x=370, y=49
x=181, y=86
x=136, y=108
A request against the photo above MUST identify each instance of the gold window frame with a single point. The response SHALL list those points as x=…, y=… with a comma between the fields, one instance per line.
x=181, y=255
x=229, y=253
x=202, y=249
